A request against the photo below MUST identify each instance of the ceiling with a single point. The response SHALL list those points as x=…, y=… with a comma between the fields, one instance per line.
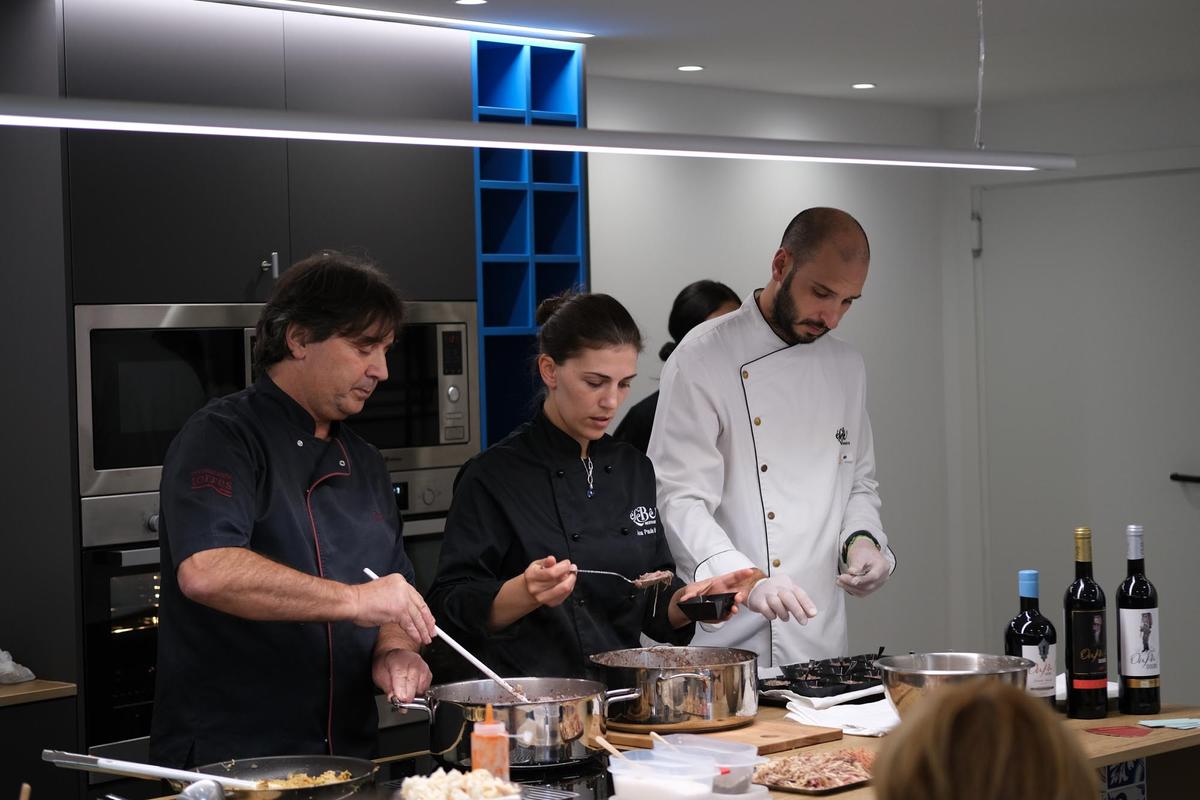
x=917, y=51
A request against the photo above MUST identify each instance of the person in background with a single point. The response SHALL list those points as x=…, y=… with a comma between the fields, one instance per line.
x=985, y=740
x=556, y=497
x=271, y=639
x=697, y=302
x=763, y=450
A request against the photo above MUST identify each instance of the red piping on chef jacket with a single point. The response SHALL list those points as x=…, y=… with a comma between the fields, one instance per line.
x=321, y=571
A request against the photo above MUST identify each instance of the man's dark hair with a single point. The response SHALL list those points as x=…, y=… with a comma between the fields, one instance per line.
x=327, y=294
x=813, y=227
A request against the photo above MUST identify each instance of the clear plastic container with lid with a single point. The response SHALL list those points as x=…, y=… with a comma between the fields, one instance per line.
x=489, y=745
x=735, y=762
x=650, y=775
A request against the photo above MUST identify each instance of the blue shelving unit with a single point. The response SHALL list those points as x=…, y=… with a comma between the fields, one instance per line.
x=530, y=211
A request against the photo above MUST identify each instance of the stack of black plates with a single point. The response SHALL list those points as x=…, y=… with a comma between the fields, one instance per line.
x=827, y=677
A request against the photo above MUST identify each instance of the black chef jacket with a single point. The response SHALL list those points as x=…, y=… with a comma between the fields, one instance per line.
x=526, y=498
x=638, y=422
x=247, y=471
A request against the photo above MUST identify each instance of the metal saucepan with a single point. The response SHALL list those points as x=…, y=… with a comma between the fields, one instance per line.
x=558, y=725
x=250, y=770
x=683, y=688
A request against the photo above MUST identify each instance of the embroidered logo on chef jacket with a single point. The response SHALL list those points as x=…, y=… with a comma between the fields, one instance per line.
x=643, y=517
x=219, y=482
x=842, y=437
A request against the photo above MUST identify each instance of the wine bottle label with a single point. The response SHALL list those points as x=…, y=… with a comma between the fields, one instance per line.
x=1040, y=681
x=1139, y=641
x=1090, y=658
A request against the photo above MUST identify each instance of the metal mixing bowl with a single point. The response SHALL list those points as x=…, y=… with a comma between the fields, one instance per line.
x=908, y=679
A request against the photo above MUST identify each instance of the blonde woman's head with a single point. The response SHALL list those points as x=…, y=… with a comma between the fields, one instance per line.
x=983, y=740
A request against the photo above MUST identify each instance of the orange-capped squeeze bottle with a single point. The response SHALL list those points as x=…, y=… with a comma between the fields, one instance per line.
x=489, y=745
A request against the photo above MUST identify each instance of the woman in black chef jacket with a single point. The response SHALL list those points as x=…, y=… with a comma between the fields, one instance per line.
x=558, y=495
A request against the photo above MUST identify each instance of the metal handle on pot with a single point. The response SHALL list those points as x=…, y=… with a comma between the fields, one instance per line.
x=621, y=695
x=418, y=704
x=701, y=676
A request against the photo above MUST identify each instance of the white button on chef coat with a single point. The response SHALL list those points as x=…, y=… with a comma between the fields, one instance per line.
x=746, y=423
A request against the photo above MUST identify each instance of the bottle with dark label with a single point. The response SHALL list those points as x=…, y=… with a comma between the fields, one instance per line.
x=1137, y=633
x=1032, y=636
x=1087, y=651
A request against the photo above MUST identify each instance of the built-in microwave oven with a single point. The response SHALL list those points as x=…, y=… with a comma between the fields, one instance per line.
x=142, y=370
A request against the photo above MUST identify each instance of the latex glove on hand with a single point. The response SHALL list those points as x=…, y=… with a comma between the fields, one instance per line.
x=866, y=569
x=778, y=598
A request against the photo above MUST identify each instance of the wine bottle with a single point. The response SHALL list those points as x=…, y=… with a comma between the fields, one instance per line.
x=1087, y=652
x=1030, y=635
x=1137, y=632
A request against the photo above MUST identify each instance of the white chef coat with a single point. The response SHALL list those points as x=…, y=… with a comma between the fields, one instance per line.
x=764, y=458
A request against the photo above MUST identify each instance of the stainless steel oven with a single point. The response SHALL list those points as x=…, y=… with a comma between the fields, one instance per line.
x=142, y=370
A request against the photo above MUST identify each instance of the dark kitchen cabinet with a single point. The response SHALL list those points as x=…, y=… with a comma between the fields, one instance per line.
x=157, y=218
x=410, y=208
x=167, y=217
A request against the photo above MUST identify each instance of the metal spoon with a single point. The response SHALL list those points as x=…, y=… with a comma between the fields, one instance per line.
x=639, y=582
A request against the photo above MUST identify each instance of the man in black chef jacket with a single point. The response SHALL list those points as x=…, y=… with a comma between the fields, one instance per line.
x=271, y=637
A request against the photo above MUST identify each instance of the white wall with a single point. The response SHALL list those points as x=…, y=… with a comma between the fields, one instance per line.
x=1118, y=133
x=659, y=223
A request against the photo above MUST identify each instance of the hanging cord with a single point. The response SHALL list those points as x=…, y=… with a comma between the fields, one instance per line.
x=979, y=86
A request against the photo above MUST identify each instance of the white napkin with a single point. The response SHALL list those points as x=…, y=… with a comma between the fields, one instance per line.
x=1060, y=688
x=868, y=719
x=11, y=671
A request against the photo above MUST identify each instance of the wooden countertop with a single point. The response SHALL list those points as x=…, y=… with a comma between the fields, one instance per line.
x=1100, y=750
x=12, y=694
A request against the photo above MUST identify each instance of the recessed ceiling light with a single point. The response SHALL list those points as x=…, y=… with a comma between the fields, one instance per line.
x=470, y=2
x=863, y=86
x=690, y=68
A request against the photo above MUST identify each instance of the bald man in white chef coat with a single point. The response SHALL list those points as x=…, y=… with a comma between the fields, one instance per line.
x=763, y=451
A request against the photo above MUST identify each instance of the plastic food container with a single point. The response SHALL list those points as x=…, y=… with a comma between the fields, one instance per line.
x=735, y=762
x=649, y=775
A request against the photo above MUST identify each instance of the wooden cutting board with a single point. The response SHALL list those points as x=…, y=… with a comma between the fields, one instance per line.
x=768, y=735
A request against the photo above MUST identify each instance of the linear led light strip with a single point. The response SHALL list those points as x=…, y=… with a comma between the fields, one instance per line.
x=399, y=16
x=85, y=114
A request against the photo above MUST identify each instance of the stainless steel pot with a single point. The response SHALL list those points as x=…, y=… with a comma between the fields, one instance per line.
x=559, y=725
x=683, y=688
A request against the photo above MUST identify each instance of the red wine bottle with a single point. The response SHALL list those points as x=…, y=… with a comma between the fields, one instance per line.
x=1032, y=636
x=1137, y=633
x=1087, y=640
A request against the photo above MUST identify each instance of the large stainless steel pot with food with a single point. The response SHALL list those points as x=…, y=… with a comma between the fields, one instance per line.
x=683, y=688
x=558, y=725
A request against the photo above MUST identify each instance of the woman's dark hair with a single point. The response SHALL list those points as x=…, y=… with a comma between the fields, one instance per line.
x=327, y=294
x=692, y=306
x=575, y=321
